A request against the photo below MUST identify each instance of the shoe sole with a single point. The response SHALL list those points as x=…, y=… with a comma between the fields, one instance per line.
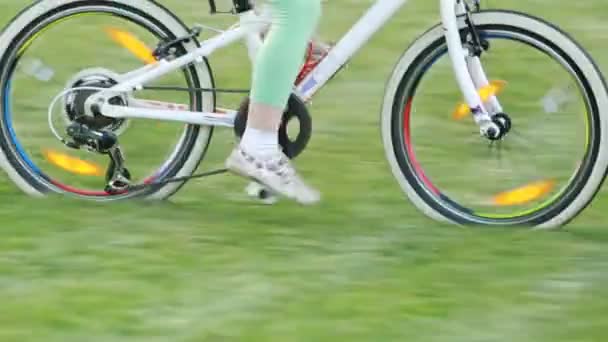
x=236, y=171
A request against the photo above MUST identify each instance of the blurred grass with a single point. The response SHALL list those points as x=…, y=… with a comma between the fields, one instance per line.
x=364, y=265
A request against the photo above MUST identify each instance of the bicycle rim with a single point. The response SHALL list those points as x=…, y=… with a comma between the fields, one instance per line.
x=542, y=164
x=155, y=151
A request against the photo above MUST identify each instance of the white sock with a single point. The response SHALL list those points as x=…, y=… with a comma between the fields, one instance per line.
x=259, y=142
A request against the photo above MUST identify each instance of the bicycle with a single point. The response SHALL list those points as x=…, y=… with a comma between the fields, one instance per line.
x=97, y=107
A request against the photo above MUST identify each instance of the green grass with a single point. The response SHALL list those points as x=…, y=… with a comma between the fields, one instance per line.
x=365, y=265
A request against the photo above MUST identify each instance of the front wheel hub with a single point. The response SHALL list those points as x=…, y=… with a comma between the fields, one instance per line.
x=498, y=127
x=504, y=120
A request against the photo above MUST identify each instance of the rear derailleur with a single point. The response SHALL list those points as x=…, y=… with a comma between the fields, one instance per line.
x=118, y=177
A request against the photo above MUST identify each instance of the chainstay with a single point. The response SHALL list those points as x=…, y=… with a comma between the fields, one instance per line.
x=176, y=180
x=201, y=90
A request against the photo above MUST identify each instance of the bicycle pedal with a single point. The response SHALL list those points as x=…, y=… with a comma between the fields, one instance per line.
x=261, y=193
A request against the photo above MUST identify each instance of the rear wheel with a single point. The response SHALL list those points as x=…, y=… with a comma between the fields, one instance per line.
x=56, y=45
x=546, y=169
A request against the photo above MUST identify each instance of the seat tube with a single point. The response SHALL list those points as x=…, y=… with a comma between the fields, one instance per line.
x=252, y=18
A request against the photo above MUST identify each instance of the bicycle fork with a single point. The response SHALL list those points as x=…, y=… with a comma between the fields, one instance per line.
x=469, y=72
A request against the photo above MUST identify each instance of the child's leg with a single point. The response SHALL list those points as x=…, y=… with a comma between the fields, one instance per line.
x=277, y=66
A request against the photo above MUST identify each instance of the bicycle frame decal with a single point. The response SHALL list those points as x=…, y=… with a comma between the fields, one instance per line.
x=372, y=21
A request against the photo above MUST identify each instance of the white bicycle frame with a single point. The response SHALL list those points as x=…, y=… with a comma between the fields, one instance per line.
x=467, y=68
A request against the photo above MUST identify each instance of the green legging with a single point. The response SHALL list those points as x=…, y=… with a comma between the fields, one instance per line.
x=280, y=58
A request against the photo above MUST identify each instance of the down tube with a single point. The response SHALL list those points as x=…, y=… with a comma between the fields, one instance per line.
x=339, y=55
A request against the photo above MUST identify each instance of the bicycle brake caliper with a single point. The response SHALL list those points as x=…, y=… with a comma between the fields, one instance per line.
x=166, y=49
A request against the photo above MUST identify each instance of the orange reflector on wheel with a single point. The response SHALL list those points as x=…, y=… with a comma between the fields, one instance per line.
x=525, y=194
x=485, y=93
x=72, y=164
x=127, y=40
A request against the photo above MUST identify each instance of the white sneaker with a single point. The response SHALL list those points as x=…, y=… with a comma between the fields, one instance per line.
x=275, y=172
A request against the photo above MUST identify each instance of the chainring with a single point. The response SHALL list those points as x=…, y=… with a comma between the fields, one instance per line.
x=296, y=110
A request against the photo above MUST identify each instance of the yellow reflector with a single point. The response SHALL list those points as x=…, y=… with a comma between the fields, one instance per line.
x=73, y=165
x=485, y=93
x=524, y=194
x=131, y=43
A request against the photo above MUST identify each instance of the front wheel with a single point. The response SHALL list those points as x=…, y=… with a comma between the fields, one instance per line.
x=550, y=165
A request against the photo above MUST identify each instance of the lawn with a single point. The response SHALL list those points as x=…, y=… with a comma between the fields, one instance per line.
x=365, y=265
